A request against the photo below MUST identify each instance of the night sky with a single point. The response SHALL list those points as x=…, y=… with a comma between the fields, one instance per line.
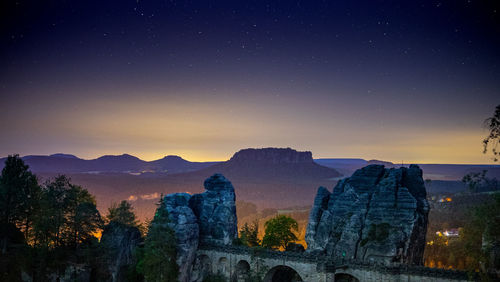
x=406, y=81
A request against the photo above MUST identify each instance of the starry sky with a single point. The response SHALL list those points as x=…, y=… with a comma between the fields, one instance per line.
x=406, y=81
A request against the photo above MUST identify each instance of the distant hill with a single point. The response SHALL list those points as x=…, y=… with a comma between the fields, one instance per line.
x=65, y=163
x=344, y=166
x=449, y=172
x=272, y=163
x=269, y=177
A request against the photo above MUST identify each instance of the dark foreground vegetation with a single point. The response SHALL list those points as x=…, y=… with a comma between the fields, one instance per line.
x=51, y=231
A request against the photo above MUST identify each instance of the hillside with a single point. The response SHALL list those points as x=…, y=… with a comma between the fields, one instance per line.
x=267, y=177
x=449, y=172
x=64, y=163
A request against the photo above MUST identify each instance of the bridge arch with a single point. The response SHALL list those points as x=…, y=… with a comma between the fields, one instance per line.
x=242, y=271
x=202, y=267
x=223, y=266
x=345, y=277
x=282, y=273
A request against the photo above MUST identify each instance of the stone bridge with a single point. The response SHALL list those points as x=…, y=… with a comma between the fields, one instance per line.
x=239, y=263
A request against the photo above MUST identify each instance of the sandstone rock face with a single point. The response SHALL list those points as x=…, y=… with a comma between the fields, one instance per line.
x=185, y=225
x=376, y=215
x=216, y=211
x=209, y=217
x=119, y=242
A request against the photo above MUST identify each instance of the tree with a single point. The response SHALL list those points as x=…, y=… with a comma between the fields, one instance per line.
x=68, y=215
x=122, y=213
x=249, y=235
x=482, y=232
x=478, y=182
x=279, y=232
x=158, y=262
x=493, y=138
x=84, y=219
x=474, y=180
x=19, y=192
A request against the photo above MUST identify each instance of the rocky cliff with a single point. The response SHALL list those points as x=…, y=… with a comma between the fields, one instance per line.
x=209, y=217
x=216, y=211
x=186, y=228
x=376, y=215
x=118, y=243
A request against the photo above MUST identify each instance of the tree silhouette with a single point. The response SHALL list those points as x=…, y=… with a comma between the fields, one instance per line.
x=249, y=235
x=122, y=213
x=158, y=262
x=492, y=140
x=19, y=193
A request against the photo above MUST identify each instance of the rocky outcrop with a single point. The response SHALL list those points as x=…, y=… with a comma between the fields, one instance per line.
x=279, y=165
x=118, y=243
x=185, y=225
x=216, y=211
x=209, y=217
x=272, y=155
x=376, y=215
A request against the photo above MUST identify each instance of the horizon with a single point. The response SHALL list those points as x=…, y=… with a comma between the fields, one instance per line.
x=198, y=140
x=411, y=82
x=93, y=157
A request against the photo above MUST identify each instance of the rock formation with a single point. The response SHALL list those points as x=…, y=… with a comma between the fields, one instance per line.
x=272, y=164
x=216, y=211
x=376, y=215
x=272, y=155
x=185, y=225
x=118, y=243
x=209, y=217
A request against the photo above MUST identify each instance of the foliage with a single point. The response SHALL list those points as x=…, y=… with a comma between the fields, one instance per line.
x=483, y=231
x=249, y=235
x=64, y=227
x=58, y=220
x=122, y=213
x=158, y=262
x=68, y=215
x=493, y=138
x=19, y=194
x=478, y=182
x=471, y=250
x=279, y=232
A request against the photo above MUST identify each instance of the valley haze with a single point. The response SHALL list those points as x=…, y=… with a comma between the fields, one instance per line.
x=285, y=176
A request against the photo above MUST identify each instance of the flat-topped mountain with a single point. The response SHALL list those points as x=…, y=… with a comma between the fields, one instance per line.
x=283, y=164
x=272, y=155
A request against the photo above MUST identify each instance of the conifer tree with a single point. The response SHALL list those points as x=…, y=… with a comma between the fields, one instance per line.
x=19, y=193
x=159, y=259
x=122, y=213
x=249, y=235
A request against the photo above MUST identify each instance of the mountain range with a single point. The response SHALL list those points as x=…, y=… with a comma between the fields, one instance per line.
x=268, y=177
x=270, y=161
x=447, y=172
x=65, y=163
